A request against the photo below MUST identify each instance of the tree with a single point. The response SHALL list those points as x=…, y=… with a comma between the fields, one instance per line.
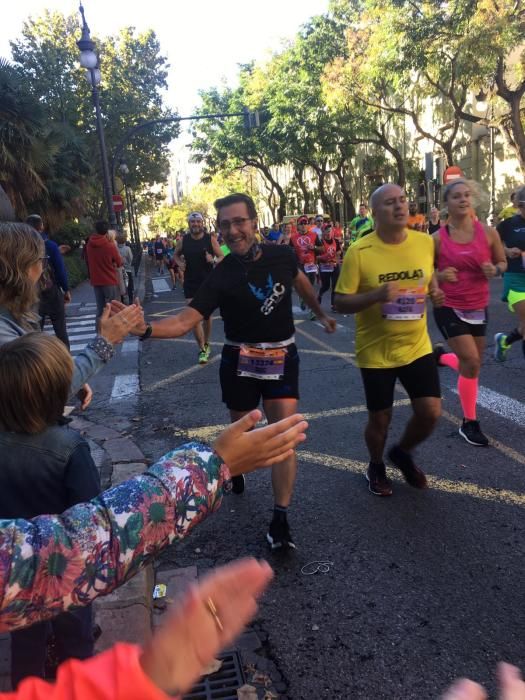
x=134, y=78
x=225, y=146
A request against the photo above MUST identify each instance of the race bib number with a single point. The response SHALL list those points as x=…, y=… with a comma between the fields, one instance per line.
x=327, y=267
x=310, y=267
x=261, y=364
x=409, y=306
x=473, y=316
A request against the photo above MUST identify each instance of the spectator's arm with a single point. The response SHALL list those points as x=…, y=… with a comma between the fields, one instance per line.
x=103, y=543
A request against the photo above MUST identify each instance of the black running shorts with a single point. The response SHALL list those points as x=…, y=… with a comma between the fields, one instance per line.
x=245, y=393
x=420, y=379
x=451, y=326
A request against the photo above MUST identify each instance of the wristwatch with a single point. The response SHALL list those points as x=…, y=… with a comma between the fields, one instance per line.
x=147, y=333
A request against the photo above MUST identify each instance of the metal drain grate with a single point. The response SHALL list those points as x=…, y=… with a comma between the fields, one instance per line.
x=223, y=684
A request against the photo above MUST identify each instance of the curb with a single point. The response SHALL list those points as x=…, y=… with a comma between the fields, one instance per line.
x=125, y=615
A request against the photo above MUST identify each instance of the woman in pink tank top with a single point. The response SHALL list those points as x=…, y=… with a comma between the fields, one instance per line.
x=468, y=255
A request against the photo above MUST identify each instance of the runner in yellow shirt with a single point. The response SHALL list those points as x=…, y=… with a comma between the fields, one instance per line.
x=385, y=280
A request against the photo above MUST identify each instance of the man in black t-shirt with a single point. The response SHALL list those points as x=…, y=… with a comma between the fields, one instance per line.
x=253, y=287
x=512, y=234
x=194, y=255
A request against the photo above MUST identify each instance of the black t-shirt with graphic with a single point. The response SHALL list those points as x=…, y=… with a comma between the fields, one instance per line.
x=512, y=233
x=255, y=298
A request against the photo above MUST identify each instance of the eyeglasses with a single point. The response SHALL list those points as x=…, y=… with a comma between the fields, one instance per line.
x=239, y=221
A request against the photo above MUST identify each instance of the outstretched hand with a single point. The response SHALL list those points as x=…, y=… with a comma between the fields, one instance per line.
x=243, y=449
x=511, y=686
x=179, y=653
x=117, y=326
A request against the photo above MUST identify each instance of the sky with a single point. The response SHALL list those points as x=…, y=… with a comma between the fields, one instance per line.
x=204, y=40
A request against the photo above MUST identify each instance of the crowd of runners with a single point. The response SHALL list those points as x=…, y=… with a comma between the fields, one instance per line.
x=395, y=260
x=382, y=270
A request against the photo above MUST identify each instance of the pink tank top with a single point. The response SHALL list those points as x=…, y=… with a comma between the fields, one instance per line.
x=471, y=291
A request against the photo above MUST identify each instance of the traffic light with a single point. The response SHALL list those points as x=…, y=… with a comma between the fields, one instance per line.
x=251, y=119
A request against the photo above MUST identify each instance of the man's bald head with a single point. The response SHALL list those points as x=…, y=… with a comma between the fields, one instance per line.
x=389, y=207
x=382, y=192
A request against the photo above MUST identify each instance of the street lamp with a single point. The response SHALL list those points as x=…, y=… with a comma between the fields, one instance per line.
x=89, y=61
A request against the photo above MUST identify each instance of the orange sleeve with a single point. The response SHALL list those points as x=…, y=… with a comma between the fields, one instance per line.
x=115, y=674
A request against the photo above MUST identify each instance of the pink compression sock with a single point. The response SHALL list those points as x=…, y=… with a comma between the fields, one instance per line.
x=449, y=359
x=468, y=395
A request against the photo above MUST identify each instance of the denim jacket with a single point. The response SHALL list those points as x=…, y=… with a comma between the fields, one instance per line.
x=87, y=362
x=47, y=472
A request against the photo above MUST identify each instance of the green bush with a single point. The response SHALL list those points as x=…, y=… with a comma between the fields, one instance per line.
x=76, y=268
x=72, y=233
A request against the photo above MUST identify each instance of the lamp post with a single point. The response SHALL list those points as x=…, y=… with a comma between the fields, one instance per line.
x=89, y=61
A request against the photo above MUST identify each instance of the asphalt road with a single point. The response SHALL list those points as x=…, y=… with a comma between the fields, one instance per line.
x=420, y=588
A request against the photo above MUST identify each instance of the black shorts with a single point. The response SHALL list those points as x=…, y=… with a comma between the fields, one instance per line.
x=451, y=326
x=420, y=379
x=245, y=393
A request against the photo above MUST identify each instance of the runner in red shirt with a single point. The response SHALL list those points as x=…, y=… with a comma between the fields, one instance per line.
x=304, y=243
x=328, y=256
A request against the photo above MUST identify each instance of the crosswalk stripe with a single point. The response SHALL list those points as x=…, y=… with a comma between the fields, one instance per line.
x=86, y=336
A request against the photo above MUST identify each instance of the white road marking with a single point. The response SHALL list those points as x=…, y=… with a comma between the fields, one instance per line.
x=160, y=285
x=180, y=375
x=125, y=385
x=498, y=403
x=87, y=336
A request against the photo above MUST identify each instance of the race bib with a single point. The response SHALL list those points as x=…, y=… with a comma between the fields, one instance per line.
x=473, y=316
x=327, y=267
x=310, y=267
x=409, y=306
x=261, y=364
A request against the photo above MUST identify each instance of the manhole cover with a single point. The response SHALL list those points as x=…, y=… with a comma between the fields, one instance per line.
x=222, y=684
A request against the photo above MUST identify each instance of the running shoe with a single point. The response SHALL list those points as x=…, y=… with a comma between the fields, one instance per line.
x=313, y=317
x=500, y=347
x=203, y=356
x=207, y=349
x=414, y=476
x=279, y=536
x=471, y=432
x=438, y=350
x=238, y=484
x=378, y=482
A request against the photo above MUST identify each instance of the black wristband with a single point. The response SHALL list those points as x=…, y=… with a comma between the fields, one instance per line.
x=147, y=333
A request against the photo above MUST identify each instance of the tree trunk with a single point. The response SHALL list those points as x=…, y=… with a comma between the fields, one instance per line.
x=348, y=202
x=513, y=132
x=299, y=172
x=325, y=199
x=268, y=175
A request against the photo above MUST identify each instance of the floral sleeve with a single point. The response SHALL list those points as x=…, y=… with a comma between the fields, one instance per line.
x=54, y=562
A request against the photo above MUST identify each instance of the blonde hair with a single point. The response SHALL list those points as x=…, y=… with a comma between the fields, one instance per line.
x=35, y=379
x=111, y=235
x=20, y=248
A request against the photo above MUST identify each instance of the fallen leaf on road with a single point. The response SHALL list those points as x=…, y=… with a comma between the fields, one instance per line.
x=247, y=692
x=315, y=628
x=212, y=667
x=261, y=678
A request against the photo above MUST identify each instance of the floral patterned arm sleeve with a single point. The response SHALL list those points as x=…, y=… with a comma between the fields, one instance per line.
x=51, y=563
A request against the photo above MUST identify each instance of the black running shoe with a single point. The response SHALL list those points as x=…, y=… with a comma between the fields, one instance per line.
x=471, y=432
x=279, y=536
x=238, y=484
x=378, y=483
x=414, y=476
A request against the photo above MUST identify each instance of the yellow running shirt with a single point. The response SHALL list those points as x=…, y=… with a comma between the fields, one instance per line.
x=393, y=334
